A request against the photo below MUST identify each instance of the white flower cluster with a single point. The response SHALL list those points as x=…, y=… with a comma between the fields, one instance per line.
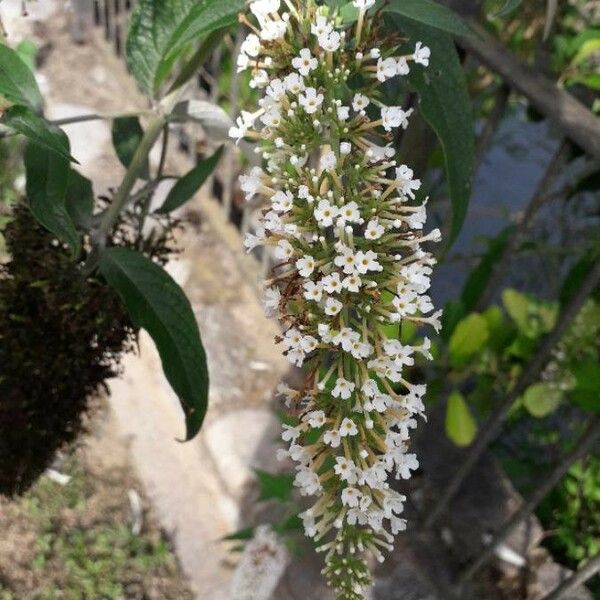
x=345, y=226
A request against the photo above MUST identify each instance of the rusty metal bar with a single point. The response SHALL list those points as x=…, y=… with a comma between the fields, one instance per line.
x=574, y=119
x=585, y=572
x=530, y=375
x=581, y=448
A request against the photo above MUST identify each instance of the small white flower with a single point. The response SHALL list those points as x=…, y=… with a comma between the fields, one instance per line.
x=252, y=182
x=345, y=148
x=422, y=54
x=305, y=63
x=367, y=261
x=346, y=469
x=282, y=201
x=328, y=161
x=343, y=389
x=350, y=497
x=386, y=69
x=309, y=344
x=251, y=45
x=348, y=427
x=325, y=213
x=405, y=463
x=346, y=261
x=352, y=283
x=313, y=291
x=333, y=307
x=348, y=213
x=363, y=4
x=332, y=438
x=374, y=230
x=272, y=299
x=393, y=117
x=251, y=241
x=315, y=418
x=284, y=250
x=321, y=26
x=305, y=265
x=407, y=185
x=360, y=102
x=310, y=100
x=294, y=83
x=402, y=67
x=332, y=283
x=331, y=41
x=343, y=113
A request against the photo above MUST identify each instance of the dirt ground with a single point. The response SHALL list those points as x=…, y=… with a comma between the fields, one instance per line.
x=74, y=539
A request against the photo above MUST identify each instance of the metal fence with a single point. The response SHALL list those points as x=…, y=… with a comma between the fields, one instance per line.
x=577, y=124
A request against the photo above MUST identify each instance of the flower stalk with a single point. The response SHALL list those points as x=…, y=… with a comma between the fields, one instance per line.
x=346, y=228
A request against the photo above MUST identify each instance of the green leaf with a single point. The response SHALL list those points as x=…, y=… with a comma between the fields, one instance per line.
x=587, y=50
x=127, y=133
x=161, y=29
x=17, y=82
x=461, y=427
x=531, y=317
x=157, y=304
x=446, y=106
x=24, y=121
x=587, y=385
x=479, y=278
x=431, y=14
x=27, y=52
x=468, y=338
x=243, y=534
x=278, y=487
x=505, y=9
x=190, y=183
x=80, y=199
x=540, y=399
x=47, y=176
x=517, y=305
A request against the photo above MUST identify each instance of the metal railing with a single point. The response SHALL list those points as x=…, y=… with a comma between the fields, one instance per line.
x=577, y=125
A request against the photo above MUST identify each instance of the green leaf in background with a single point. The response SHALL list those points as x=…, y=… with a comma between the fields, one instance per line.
x=502, y=8
x=127, y=133
x=469, y=337
x=430, y=14
x=532, y=317
x=161, y=29
x=446, y=106
x=454, y=311
x=80, y=199
x=540, y=399
x=27, y=51
x=587, y=385
x=479, y=278
x=517, y=305
x=24, y=121
x=461, y=427
x=190, y=183
x=242, y=535
x=275, y=487
x=17, y=82
x=156, y=303
x=579, y=271
x=47, y=177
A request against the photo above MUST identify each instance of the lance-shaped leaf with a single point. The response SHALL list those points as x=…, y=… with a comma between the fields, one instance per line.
x=446, y=106
x=47, y=176
x=190, y=183
x=429, y=13
x=161, y=29
x=24, y=121
x=127, y=133
x=17, y=82
x=80, y=199
x=157, y=304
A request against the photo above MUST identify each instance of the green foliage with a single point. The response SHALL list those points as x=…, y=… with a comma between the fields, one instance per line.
x=17, y=82
x=461, y=427
x=127, y=133
x=541, y=399
x=156, y=303
x=24, y=121
x=27, y=51
x=468, y=338
x=430, y=14
x=531, y=318
x=79, y=199
x=160, y=31
x=275, y=487
x=502, y=8
x=190, y=183
x=47, y=181
x=446, y=106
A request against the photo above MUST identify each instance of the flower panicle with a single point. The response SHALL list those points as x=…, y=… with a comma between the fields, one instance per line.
x=346, y=228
